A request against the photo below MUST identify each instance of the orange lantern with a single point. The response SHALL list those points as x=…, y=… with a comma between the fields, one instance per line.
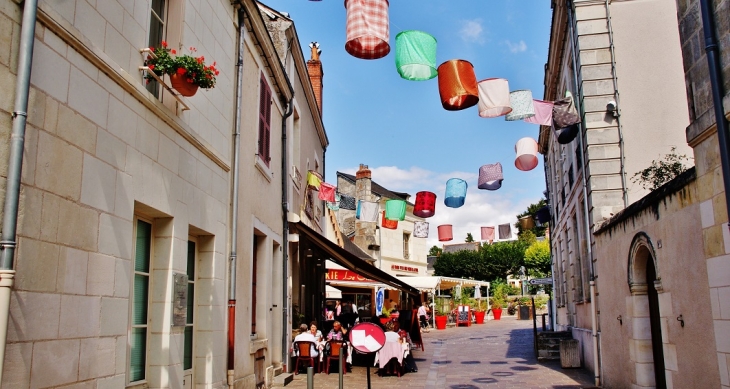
x=389, y=224
x=445, y=233
x=457, y=85
x=368, y=31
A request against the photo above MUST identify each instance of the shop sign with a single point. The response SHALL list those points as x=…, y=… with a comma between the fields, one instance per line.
x=345, y=275
x=409, y=269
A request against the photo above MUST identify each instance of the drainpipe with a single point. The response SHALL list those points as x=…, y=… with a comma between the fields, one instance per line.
x=713, y=61
x=594, y=333
x=15, y=164
x=285, y=234
x=234, y=202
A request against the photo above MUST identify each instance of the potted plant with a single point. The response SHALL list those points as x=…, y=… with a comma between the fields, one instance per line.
x=480, y=309
x=497, y=307
x=187, y=73
x=442, y=312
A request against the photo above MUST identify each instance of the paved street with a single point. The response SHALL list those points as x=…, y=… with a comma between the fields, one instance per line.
x=498, y=354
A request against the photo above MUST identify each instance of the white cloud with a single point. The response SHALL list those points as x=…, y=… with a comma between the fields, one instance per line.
x=481, y=209
x=472, y=31
x=516, y=47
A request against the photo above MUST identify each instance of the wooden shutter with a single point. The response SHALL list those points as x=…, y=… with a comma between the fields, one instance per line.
x=264, y=150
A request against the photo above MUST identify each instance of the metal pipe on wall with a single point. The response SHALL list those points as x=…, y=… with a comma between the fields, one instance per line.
x=234, y=201
x=15, y=165
x=713, y=61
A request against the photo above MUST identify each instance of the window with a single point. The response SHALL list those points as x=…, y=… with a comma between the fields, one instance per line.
x=254, y=278
x=406, y=245
x=264, y=151
x=189, y=325
x=140, y=301
x=577, y=263
x=158, y=13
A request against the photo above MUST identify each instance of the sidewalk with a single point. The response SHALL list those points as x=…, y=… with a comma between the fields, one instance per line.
x=497, y=354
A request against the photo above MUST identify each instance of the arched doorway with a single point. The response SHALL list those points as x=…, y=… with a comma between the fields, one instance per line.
x=645, y=284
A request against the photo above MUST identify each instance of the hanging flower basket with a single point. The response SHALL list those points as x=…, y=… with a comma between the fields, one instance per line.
x=181, y=84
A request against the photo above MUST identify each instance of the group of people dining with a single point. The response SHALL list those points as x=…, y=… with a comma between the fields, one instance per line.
x=320, y=345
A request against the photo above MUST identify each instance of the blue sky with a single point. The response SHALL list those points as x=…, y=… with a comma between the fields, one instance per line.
x=399, y=128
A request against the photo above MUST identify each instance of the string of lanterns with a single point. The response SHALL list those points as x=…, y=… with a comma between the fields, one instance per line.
x=367, y=37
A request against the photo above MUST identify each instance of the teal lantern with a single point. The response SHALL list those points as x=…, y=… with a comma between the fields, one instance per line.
x=455, y=193
x=395, y=210
x=415, y=55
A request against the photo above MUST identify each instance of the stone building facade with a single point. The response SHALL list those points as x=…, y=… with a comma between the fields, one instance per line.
x=606, y=55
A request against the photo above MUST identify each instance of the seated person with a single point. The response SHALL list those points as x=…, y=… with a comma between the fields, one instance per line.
x=305, y=336
x=314, y=331
x=405, y=337
x=337, y=332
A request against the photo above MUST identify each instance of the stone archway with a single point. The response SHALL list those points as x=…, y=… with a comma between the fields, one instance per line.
x=646, y=340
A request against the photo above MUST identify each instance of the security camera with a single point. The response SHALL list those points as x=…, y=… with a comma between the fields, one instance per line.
x=611, y=106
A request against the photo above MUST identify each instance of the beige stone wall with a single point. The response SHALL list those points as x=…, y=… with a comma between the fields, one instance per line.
x=669, y=224
x=99, y=152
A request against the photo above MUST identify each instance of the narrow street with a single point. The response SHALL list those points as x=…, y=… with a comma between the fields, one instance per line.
x=497, y=354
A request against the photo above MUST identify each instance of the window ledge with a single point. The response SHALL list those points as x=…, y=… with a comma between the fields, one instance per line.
x=257, y=345
x=142, y=385
x=173, y=92
x=261, y=165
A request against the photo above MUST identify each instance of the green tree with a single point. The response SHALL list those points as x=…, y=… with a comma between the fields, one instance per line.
x=662, y=171
x=492, y=261
x=435, y=251
x=528, y=237
x=537, y=259
x=469, y=238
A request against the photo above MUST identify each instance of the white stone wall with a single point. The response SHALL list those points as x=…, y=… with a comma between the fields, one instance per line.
x=100, y=150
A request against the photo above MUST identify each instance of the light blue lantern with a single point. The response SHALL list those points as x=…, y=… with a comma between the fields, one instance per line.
x=455, y=193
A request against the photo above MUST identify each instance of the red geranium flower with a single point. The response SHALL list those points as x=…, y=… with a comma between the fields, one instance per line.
x=164, y=44
x=181, y=71
x=173, y=51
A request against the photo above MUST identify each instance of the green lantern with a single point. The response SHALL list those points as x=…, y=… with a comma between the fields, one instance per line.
x=415, y=55
x=395, y=210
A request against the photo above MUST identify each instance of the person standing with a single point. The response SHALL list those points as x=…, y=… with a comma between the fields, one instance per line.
x=423, y=315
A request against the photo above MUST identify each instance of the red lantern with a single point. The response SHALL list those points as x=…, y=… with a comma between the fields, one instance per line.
x=425, y=204
x=457, y=85
x=445, y=233
x=389, y=224
x=368, y=30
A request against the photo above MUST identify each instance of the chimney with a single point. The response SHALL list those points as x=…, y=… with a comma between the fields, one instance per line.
x=314, y=68
x=365, y=231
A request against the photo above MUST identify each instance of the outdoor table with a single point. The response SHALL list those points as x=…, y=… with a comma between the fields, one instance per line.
x=391, y=350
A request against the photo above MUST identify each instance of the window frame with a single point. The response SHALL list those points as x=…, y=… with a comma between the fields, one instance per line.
x=264, y=116
x=191, y=316
x=406, y=245
x=153, y=86
x=130, y=322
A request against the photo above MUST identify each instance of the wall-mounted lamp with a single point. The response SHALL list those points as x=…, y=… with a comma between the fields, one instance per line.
x=680, y=319
x=612, y=107
x=620, y=320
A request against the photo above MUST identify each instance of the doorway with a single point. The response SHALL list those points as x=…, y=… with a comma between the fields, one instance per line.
x=657, y=346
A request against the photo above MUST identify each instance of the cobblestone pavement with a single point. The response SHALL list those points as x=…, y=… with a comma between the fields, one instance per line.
x=497, y=354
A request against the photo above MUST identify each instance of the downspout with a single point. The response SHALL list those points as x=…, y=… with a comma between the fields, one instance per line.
x=713, y=61
x=594, y=333
x=234, y=202
x=285, y=234
x=15, y=165
x=550, y=240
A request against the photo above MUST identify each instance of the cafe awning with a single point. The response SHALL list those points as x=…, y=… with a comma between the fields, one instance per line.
x=349, y=260
x=333, y=293
x=431, y=283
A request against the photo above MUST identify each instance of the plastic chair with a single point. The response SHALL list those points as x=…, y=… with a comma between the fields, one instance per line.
x=304, y=350
x=336, y=347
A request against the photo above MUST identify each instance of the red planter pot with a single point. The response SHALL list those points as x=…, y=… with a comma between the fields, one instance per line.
x=497, y=314
x=181, y=85
x=479, y=316
x=384, y=320
x=441, y=322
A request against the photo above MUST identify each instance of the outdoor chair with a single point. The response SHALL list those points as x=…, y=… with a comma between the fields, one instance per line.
x=335, y=348
x=304, y=351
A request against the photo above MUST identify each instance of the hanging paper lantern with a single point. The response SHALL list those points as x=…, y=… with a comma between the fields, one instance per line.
x=314, y=179
x=543, y=214
x=389, y=224
x=367, y=28
x=494, y=98
x=567, y=134
x=367, y=211
x=327, y=192
x=445, y=233
x=457, y=85
x=415, y=55
x=490, y=176
x=543, y=113
x=505, y=231
x=521, y=103
x=420, y=229
x=488, y=233
x=335, y=205
x=455, y=193
x=425, y=204
x=395, y=210
x=526, y=149
x=527, y=222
